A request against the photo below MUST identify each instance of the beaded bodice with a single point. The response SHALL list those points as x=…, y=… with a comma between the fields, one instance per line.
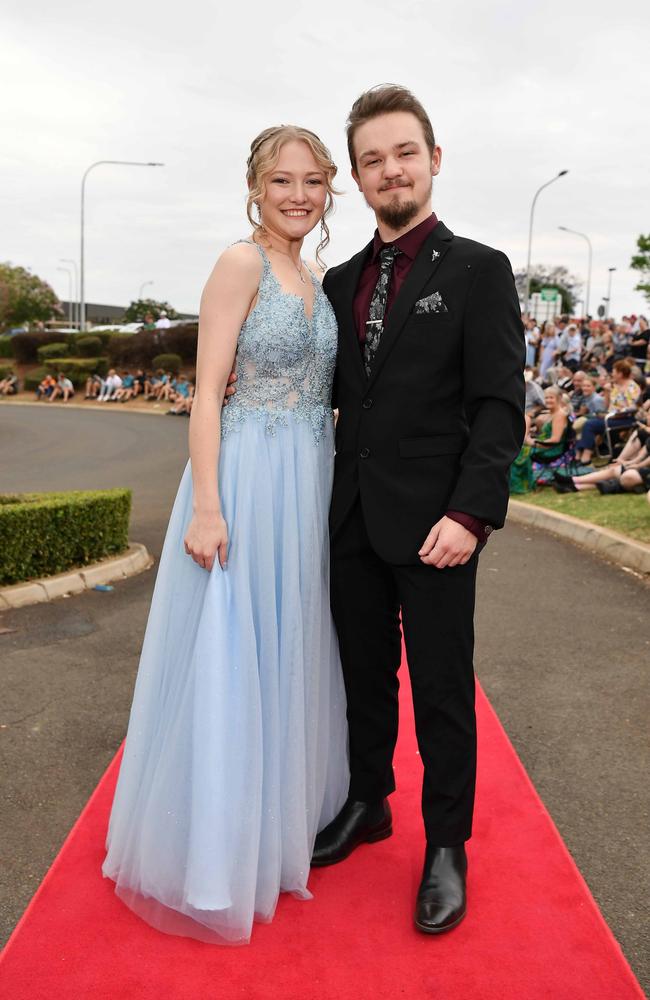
x=285, y=359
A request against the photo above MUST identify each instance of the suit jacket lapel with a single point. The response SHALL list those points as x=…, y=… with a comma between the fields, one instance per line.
x=347, y=327
x=423, y=267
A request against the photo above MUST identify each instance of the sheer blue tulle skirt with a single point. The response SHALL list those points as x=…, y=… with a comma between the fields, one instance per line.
x=236, y=750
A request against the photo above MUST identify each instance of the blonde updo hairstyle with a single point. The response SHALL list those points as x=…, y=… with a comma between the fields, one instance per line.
x=264, y=155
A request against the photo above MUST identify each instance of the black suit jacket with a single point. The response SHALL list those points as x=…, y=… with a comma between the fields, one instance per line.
x=441, y=418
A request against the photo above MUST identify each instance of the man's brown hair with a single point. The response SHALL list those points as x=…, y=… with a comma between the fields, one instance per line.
x=381, y=100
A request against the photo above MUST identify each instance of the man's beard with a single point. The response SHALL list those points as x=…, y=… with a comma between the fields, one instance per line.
x=397, y=214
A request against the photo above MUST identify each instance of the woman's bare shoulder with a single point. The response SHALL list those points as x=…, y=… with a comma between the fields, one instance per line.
x=243, y=257
x=238, y=265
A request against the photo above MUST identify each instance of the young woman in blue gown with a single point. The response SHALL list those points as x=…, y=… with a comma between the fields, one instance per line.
x=236, y=750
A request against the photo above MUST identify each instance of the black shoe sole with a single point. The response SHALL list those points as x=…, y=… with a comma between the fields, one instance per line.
x=440, y=930
x=372, y=838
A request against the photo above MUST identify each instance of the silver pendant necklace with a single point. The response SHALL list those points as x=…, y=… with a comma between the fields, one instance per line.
x=298, y=269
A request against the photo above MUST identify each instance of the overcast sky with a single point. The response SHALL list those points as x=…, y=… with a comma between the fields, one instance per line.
x=516, y=92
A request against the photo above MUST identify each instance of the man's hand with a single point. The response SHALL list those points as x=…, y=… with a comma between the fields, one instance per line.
x=447, y=544
x=230, y=388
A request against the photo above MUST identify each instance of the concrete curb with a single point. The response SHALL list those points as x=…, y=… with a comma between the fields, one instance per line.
x=603, y=542
x=86, y=405
x=129, y=563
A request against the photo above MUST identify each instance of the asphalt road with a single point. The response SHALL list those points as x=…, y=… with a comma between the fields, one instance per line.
x=563, y=650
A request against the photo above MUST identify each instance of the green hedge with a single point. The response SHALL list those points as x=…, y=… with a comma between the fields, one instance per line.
x=138, y=350
x=6, y=347
x=77, y=370
x=46, y=533
x=55, y=350
x=26, y=345
x=89, y=347
x=6, y=367
x=170, y=362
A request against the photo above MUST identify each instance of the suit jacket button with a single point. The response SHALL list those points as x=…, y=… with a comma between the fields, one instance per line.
x=367, y=403
x=364, y=453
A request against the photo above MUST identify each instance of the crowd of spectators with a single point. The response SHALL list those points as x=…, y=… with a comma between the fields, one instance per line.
x=587, y=397
x=120, y=387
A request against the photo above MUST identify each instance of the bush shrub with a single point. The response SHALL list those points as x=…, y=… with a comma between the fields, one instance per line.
x=88, y=347
x=46, y=533
x=182, y=340
x=104, y=335
x=138, y=350
x=55, y=350
x=132, y=350
x=170, y=362
x=77, y=370
x=5, y=368
x=25, y=345
x=6, y=347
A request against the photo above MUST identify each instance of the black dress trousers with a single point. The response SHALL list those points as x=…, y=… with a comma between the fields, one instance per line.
x=437, y=609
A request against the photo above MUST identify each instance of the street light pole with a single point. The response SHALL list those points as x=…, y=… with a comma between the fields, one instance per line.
x=143, y=286
x=124, y=163
x=75, y=314
x=585, y=237
x=530, y=235
x=68, y=271
x=609, y=292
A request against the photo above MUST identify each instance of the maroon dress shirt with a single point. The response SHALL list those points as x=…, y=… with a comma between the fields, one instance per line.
x=409, y=245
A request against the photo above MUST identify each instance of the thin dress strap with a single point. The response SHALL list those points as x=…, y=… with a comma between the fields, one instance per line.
x=260, y=250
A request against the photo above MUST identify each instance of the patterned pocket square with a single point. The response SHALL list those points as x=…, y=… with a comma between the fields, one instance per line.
x=431, y=304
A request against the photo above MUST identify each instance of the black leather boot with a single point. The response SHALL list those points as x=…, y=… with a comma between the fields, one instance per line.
x=441, y=902
x=357, y=823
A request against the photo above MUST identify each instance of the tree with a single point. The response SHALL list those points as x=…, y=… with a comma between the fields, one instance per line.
x=641, y=262
x=542, y=276
x=25, y=298
x=139, y=307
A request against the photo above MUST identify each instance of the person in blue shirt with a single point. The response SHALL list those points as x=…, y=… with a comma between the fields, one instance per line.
x=127, y=389
x=183, y=393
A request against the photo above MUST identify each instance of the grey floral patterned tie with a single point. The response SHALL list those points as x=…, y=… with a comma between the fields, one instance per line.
x=375, y=323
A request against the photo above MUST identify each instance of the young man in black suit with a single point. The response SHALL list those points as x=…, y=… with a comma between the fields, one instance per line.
x=430, y=392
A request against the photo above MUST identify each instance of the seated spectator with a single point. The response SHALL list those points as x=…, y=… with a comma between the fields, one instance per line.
x=165, y=390
x=125, y=391
x=573, y=352
x=9, y=384
x=575, y=393
x=552, y=439
x=94, y=385
x=46, y=387
x=111, y=384
x=621, y=396
x=153, y=385
x=139, y=383
x=621, y=340
x=640, y=343
x=534, y=393
x=63, y=388
x=630, y=473
x=540, y=451
x=589, y=404
x=183, y=397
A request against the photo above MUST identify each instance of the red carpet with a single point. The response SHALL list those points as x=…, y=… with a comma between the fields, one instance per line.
x=532, y=930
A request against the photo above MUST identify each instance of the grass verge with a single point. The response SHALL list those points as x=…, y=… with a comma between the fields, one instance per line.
x=626, y=513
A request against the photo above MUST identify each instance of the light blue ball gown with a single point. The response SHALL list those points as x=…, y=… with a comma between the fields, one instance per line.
x=236, y=750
